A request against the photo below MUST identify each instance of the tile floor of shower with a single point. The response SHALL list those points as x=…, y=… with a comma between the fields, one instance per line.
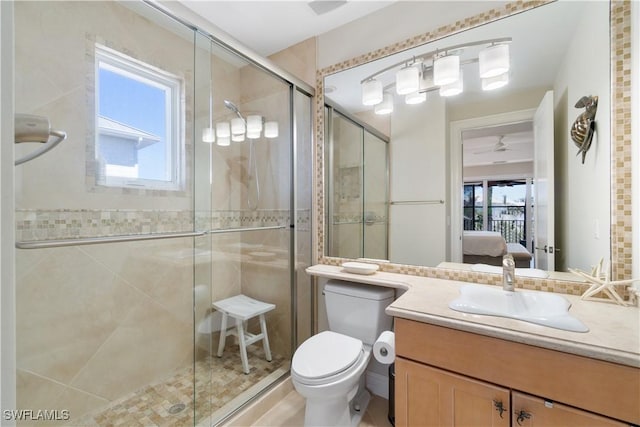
x=220, y=386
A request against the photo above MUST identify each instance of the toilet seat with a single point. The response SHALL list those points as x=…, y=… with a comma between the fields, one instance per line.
x=325, y=358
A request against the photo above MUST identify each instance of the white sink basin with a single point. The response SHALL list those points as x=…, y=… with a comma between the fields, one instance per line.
x=541, y=308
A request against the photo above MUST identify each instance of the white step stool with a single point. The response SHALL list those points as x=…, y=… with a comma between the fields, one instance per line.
x=242, y=308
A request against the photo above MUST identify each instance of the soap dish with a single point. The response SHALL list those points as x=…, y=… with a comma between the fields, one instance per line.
x=360, y=268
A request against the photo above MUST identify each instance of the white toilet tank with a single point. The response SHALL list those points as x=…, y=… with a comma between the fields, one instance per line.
x=357, y=310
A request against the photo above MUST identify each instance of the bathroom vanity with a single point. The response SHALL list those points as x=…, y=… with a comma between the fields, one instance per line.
x=450, y=377
x=455, y=368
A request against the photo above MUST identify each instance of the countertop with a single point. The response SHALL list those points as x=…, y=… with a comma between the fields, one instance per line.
x=614, y=331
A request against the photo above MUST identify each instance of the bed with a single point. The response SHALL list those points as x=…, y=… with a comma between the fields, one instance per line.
x=488, y=247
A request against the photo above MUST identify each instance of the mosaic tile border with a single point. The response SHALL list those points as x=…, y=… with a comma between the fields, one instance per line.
x=621, y=147
x=548, y=285
x=38, y=224
x=621, y=178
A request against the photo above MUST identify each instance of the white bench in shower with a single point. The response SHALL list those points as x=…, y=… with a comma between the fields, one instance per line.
x=242, y=308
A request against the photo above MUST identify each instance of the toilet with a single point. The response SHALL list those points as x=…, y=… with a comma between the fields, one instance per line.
x=328, y=368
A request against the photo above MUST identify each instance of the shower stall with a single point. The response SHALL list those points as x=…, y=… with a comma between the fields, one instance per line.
x=184, y=180
x=357, y=177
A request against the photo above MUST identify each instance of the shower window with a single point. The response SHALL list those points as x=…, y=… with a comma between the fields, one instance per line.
x=139, y=131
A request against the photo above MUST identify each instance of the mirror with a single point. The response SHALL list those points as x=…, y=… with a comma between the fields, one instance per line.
x=468, y=162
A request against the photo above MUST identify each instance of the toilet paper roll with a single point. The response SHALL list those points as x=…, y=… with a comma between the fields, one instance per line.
x=384, y=349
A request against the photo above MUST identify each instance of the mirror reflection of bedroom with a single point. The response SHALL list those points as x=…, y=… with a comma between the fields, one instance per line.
x=498, y=176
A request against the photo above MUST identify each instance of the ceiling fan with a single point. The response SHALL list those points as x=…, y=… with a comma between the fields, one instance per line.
x=500, y=146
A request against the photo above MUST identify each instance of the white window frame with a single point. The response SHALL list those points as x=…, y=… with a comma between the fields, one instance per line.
x=172, y=85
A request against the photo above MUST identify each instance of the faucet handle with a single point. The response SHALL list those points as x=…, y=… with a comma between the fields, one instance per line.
x=508, y=261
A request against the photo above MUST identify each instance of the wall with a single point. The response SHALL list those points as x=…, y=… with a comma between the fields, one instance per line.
x=584, y=238
x=374, y=31
x=299, y=60
x=522, y=169
x=418, y=168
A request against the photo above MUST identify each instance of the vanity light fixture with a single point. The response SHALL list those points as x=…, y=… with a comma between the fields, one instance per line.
x=415, y=98
x=453, y=89
x=496, y=82
x=271, y=129
x=208, y=135
x=407, y=80
x=223, y=130
x=494, y=60
x=254, y=123
x=440, y=70
x=446, y=70
x=237, y=126
x=371, y=92
x=386, y=106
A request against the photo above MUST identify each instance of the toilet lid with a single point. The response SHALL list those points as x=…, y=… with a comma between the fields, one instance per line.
x=325, y=354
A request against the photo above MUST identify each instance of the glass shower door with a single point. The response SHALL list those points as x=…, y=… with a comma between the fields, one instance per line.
x=243, y=175
x=105, y=229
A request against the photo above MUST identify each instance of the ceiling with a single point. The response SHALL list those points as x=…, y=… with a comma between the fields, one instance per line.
x=268, y=26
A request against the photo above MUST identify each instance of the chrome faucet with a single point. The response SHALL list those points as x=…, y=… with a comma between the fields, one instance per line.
x=508, y=273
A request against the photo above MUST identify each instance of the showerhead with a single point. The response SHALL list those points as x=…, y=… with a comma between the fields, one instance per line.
x=231, y=106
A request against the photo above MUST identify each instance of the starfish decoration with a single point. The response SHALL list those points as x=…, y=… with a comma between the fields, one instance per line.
x=601, y=282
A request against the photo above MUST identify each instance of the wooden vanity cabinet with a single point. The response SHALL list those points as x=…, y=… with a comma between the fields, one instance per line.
x=447, y=377
x=432, y=397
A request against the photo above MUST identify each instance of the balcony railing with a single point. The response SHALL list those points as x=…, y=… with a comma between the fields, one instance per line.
x=513, y=230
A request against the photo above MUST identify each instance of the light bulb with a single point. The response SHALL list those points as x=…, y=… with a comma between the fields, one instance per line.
x=407, y=80
x=494, y=60
x=237, y=138
x=252, y=134
x=415, y=98
x=446, y=70
x=237, y=126
x=224, y=141
x=386, y=106
x=254, y=123
x=208, y=135
x=371, y=92
x=452, y=89
x=491, y=83
x=223, y=130
x=271, y=129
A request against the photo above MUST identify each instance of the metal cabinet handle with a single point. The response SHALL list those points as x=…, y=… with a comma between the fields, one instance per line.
x=499, y=407
x=522, y=415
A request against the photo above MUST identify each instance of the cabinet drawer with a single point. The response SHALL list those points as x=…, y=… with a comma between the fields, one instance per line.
x=602, y=387
x=531, y=411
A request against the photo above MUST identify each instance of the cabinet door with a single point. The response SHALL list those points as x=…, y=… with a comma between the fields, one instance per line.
x=531, y=411
x=426, y=396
